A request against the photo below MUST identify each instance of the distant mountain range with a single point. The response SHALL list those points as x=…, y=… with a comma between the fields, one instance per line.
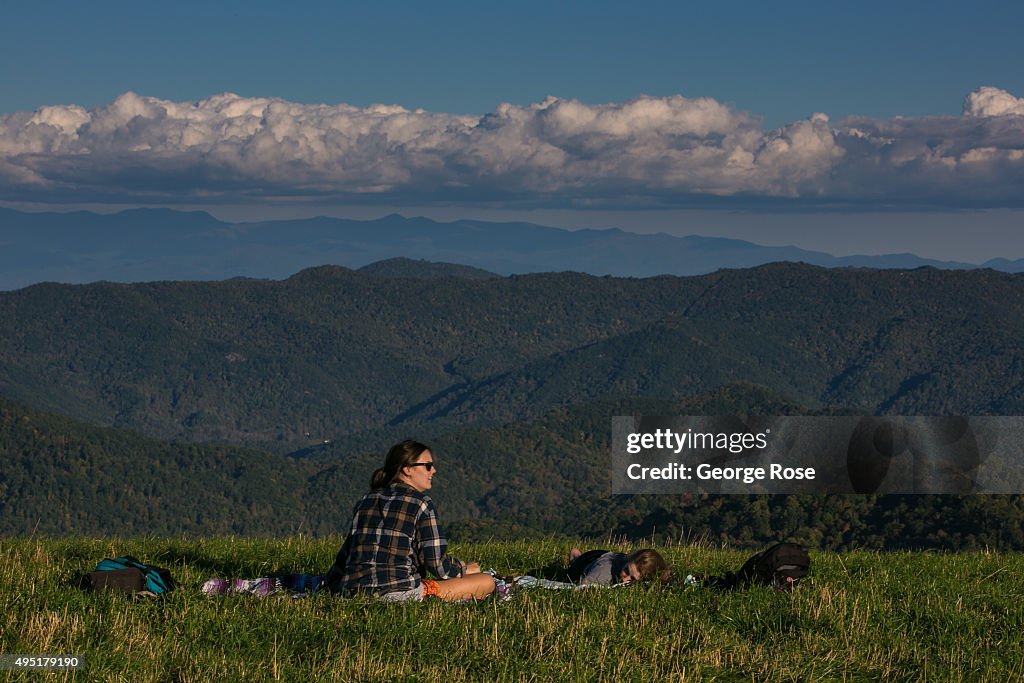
x=161, y=244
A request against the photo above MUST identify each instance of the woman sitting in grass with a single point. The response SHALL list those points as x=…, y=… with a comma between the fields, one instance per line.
x=394, y=538
x=606, y=568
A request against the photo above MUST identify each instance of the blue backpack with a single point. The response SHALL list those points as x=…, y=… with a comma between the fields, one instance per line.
x=128, y=575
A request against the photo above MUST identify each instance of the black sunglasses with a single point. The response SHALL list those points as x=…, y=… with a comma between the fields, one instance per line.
x=428, y=465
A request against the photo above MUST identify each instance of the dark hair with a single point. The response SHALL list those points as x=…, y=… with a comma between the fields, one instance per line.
x=401, y=455
x=650, y=565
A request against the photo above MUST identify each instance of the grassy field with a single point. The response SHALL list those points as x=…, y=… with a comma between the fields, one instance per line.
x=861, y=616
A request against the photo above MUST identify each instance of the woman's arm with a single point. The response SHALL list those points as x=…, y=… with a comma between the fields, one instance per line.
x=337, y=570
x=433, y=548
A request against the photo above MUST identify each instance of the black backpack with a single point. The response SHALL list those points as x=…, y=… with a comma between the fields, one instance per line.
x=781, y=566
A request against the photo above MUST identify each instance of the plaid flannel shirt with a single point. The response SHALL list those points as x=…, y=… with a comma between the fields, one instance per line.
x=393, y=542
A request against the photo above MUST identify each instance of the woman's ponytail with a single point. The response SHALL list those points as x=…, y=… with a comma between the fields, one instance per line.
x=380, y=478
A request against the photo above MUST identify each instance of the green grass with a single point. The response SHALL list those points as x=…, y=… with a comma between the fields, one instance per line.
x=862, y=616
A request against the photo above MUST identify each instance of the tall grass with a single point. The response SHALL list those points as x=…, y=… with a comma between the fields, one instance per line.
x=862, y=616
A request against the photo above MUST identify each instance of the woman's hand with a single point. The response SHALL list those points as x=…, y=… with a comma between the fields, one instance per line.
x=472, y=568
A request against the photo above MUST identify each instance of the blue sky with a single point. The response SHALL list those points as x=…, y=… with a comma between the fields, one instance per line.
x=783, y=60
x=724, y=129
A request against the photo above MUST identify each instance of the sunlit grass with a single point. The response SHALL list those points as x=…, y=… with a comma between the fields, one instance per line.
x=861, y=616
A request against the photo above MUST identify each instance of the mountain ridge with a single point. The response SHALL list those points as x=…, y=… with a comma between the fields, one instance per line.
x=140, y=245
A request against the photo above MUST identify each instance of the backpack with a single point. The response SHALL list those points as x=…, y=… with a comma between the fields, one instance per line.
x=781, y=566
x=128, y=575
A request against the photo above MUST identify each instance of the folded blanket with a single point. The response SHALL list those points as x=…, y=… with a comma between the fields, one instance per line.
x=260, y=587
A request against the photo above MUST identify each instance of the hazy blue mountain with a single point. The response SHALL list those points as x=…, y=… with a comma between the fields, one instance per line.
x=420, y=269
x=159, y=244
x=1005, y=265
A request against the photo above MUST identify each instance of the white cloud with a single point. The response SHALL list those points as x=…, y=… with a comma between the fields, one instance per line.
x=989, y=101
x=797, y=159
x=650, y=150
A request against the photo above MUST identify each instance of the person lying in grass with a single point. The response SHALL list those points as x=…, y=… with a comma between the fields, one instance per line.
x=606, y=568
x=394, y=539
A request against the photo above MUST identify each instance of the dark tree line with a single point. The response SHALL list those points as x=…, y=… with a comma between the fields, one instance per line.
x=548, y=476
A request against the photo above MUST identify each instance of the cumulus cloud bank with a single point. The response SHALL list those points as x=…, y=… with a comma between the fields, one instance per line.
x=648, y=151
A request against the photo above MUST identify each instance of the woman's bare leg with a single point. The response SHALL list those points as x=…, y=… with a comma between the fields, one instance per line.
x=472, y=586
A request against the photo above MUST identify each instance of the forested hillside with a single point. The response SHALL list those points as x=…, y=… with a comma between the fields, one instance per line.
x=330, y=352
x=513, y=381
x=549, y=476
